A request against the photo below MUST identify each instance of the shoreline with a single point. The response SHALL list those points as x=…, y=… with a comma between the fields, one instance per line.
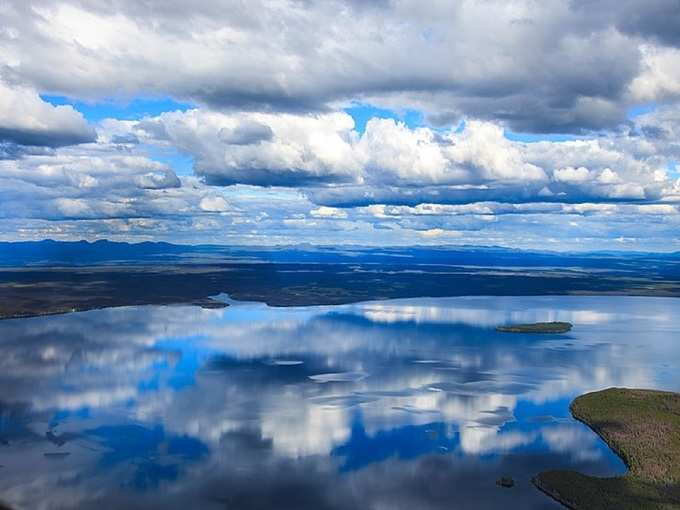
x=208, y=304
x=642, y=427
x=30, y=292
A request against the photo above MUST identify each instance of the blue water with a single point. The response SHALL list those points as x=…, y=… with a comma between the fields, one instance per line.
x=405, y=404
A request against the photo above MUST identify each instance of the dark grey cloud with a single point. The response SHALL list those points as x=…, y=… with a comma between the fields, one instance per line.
x=549, y=66
x=361, y=196
x=259, y=176
x=655, y=132
x=246, y=133
x=658, y=20
x=10, y=150
x=43, y=138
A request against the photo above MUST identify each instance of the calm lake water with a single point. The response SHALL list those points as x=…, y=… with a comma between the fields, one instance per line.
x=405, y=404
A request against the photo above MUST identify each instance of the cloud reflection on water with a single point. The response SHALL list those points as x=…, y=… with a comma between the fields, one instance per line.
x=402, y=404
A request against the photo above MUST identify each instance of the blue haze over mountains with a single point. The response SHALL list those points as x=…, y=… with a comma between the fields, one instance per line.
x=82, y=253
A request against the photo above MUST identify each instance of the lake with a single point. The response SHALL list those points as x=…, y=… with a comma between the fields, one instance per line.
x=404, y=404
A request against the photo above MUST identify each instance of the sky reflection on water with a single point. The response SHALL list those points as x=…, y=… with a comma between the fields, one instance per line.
x=407, y=404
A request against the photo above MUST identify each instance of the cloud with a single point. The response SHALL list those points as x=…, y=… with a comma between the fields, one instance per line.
x=25, y=119
x=658, y=209
x=97, y=181
x=396, y=155
x=276, y=159
x=655, y=19
x=573, y=175
x=247, y=132
x=391, y=163
x=328, y=212
x=483, y=146
x=125, y=139
x=272, y=149
x=541, y=70
x=439, y=232
x=214, y=203
x=160, y=178
x=660, y=76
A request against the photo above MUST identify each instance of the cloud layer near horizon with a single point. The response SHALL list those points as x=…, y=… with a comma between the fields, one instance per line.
x=270, y=84
x=335, y=165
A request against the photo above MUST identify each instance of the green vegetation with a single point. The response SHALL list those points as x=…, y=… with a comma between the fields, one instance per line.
x=643, y=428
x=538, y=327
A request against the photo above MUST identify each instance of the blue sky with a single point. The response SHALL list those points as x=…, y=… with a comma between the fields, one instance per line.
x=121, y=108
x=362, y=113
x=380, y=125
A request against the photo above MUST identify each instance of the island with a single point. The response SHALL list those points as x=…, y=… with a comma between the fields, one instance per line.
x=643, y=428
x=537, y=327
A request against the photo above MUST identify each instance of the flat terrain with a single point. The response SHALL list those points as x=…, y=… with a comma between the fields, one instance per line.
x=537, y=327
x=31, y=291
x=46, y=277
x=643, y=427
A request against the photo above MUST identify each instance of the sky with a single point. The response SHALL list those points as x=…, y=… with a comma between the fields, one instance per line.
x=532, y=124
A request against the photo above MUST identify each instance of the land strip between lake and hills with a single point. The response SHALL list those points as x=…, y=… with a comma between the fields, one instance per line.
x=26, y=292
x=47, y=277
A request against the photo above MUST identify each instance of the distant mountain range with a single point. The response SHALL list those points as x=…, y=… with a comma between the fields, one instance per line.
x=84, y=253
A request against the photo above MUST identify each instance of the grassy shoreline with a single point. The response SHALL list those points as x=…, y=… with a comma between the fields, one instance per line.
x=643, y=428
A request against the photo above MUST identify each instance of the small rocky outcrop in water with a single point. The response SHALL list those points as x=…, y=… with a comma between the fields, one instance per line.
x=506, y=482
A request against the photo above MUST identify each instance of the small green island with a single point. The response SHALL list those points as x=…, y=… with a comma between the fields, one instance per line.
x=643, y=428
x=537, y=327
